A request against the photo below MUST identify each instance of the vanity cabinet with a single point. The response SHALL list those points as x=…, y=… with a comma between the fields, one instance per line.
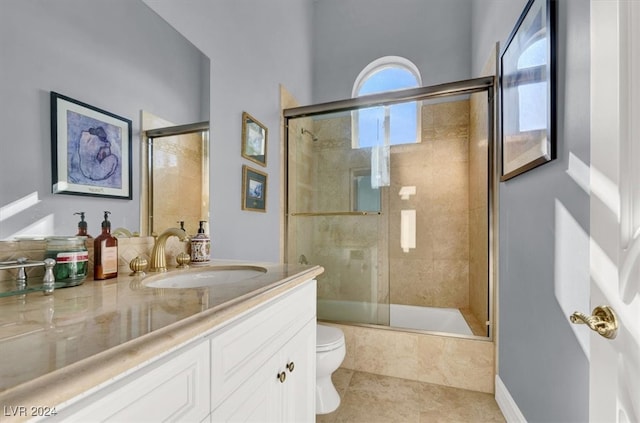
x=258, y=366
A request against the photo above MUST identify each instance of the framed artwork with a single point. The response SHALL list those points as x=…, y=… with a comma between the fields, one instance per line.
x=254, y=189
x=528, y=91
x=254, y=140
x=90, y=150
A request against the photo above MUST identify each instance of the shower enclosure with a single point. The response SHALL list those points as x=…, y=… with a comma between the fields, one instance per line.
x=392, y=194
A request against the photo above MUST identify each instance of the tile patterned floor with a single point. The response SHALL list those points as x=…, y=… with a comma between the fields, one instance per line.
x=372, y=398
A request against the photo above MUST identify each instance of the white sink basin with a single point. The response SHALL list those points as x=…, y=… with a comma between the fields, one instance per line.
x=205, y=277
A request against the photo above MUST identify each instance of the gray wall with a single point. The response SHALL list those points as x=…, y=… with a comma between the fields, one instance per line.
x=350, y=34
x=118, y=56
x=254, y=46
x=544, y=226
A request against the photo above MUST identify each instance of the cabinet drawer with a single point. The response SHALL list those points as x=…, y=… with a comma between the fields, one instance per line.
x=241, y=349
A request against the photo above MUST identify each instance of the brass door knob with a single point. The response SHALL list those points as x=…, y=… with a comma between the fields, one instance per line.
x=602, y=320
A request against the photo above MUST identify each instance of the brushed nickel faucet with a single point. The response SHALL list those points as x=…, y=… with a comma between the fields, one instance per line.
x=158, y=255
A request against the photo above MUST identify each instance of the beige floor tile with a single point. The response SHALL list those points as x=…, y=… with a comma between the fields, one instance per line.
x=446, y=404
x=373, y=398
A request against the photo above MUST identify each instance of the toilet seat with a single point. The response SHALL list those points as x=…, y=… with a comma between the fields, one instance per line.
x=328, y=338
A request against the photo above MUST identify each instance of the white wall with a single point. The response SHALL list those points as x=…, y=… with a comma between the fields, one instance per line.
x=544, y=227
x=254, y=46
x=118, y=56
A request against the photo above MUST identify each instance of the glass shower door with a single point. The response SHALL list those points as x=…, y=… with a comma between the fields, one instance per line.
x=334, y=220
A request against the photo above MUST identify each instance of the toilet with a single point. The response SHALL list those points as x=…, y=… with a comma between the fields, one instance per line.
x=330, y=351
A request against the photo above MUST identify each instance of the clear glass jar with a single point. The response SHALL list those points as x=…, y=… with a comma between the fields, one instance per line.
x=72, y=259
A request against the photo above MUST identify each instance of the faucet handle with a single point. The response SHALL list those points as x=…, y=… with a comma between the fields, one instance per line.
x=138, y=265
x=49, y=280
x=183, y=260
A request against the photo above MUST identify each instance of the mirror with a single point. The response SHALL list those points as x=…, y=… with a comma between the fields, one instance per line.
x=176, y=177
x=144, y=65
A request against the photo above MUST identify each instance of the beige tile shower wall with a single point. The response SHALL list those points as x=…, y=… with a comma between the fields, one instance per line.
x=178, y=170
x=436, y=272
x=449, y=361
x=478, y=209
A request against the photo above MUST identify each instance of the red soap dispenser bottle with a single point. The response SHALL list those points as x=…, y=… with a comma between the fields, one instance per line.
x=105, y=247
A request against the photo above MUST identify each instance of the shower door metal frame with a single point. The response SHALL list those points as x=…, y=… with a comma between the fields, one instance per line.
x=470, y=86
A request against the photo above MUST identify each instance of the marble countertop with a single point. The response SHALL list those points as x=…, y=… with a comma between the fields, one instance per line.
x=53, y=348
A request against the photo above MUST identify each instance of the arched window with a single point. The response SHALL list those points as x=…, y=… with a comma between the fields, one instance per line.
x=386, y=125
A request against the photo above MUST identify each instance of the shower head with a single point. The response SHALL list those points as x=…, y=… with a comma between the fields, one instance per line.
x=313, y=137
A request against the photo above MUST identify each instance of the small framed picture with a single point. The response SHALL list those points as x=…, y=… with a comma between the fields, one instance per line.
x=90, y=150
x=254, y=189
x=254, y=140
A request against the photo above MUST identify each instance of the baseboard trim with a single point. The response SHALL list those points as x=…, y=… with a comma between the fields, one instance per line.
x=508, y=406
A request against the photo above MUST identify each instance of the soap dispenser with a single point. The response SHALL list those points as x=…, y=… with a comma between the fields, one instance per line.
x=200, y=246
x=82, y=226
x=105, y=247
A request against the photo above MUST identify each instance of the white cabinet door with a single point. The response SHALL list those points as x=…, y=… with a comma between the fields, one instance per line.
x=174, y=389
x=299, y=399
x=259, y=399
x=240, y=350
x=279, y=391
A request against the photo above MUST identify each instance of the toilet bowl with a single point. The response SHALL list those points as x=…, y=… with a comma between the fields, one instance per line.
x=330, y=351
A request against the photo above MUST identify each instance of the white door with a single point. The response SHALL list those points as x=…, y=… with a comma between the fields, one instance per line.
x=615, y=207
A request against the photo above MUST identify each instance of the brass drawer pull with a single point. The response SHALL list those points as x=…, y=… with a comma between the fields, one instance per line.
x=282, y=377
x=290, y=366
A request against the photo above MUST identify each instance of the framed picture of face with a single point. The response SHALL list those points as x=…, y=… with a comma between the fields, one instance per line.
x=90, y=150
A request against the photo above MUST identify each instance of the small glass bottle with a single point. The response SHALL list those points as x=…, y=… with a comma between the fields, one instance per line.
x=105, y=247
